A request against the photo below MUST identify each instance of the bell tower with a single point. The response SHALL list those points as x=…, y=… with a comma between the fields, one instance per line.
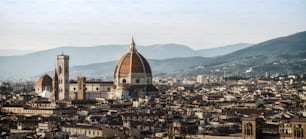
x=251, y=128
x=298, y=128
x=62, y=69
x=81, y=88
x=54, y=87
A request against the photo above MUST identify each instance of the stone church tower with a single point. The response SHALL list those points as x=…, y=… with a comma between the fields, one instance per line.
x=298, y=128
x=54, y=96
x=81, y=88
x=251, y=128
x=62, y=70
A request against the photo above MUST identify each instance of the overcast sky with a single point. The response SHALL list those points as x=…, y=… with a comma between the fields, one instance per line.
x=43, y=24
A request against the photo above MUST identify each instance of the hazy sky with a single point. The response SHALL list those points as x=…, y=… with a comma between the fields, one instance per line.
x=43, y=24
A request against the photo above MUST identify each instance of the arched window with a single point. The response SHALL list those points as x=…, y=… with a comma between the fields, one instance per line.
x=248, y=129
x=123, y=81
x=298, y=131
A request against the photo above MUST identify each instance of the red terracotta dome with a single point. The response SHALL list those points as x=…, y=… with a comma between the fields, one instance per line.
x=44, y=80
x=132, y=62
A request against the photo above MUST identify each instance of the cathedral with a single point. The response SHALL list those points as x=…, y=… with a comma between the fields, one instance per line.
x=133, y=75
x=132, y=79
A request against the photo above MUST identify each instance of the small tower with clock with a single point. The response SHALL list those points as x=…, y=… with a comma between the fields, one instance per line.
x=62, y=69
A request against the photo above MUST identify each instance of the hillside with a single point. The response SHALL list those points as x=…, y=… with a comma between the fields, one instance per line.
x=281, y=55
x=219, y=51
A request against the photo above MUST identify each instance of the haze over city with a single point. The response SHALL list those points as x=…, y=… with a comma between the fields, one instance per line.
x=200, y=24
x=162, y=69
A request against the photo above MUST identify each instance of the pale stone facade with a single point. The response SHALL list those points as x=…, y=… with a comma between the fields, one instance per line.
x=93, y=90
x=83, y=130
x=28, y=112
x=63, y=76
x=298, y=129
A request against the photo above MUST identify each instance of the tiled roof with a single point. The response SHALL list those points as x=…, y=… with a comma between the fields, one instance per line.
x=44, y=80
x=133, y=63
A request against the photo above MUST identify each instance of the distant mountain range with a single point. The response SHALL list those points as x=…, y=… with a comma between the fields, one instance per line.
x=29, y=65
x=13, y=52
x=281, y=55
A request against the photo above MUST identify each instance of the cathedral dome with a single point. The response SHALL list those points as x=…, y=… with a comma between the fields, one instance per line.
x=133, y=75
x=44, y=80
x=132, y=62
